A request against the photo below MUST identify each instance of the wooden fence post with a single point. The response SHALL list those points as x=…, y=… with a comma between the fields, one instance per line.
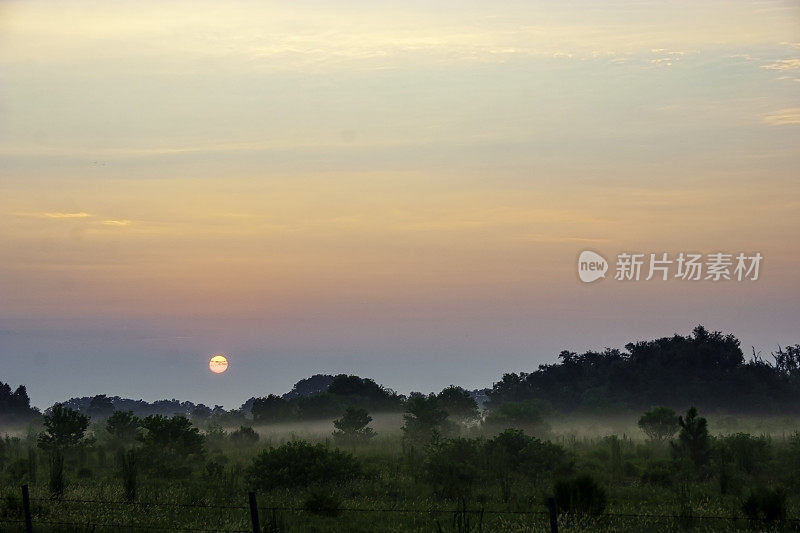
x=551, y=503
x=26, y=506
x=254, y=512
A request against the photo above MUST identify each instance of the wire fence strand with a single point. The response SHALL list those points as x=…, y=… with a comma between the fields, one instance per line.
x=294, y=509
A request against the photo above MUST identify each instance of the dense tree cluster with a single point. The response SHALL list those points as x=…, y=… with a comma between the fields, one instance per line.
x=707, y=369
x=101, y=406
x=15, y=406
x=343, y=391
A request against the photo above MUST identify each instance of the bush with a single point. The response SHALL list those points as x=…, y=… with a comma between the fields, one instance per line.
x=452, y=465
x=765, y=504
x=512, y=453
x=580, y=495
x=244, y=436
x=322, y=503
x=299, y=463
x=658, y=473
x=749, y=454
x=171, y=446
x=128, y=472
x=56, y=473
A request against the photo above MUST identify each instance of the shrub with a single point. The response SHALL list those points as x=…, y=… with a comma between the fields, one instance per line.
x=128, y=472
x=452, y=465
x=171, y=445
x=765, y=504
x=658, y=473
x=244, y=436
x=56, y=473
x=299, y=463
x=18, y=469
x=749, y=454
x=580, y=495
x=322, y=503
x=505, y=454
x=214, y=470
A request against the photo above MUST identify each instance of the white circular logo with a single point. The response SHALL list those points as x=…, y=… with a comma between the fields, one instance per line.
x=591, y=266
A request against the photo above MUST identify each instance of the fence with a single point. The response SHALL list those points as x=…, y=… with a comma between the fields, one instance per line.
x=249, y=514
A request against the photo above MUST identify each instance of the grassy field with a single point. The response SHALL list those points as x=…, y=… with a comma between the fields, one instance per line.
x=422, y=488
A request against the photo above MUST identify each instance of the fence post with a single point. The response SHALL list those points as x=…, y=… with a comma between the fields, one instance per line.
x=254, y=512
x=551, y=503
x=26, y=506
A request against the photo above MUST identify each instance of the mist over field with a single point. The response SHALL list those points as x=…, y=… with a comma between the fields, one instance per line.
x=445, y=266
x=342, y=452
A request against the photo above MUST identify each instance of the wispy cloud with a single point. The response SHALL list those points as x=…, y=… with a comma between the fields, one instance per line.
x=784, y=117
x=116, y=222
x=784, y=64
x=65, y=215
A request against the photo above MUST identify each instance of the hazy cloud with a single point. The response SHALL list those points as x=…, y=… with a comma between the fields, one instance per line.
x=784, y=117
x=784, y=64
x=65, y=215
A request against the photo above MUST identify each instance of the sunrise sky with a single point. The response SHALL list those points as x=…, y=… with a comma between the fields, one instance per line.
x=381, y=188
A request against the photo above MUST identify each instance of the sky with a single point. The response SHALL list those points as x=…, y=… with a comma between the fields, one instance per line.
x=392, y=189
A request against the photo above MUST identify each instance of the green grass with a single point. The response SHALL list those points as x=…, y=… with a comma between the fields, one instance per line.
x=393, y=493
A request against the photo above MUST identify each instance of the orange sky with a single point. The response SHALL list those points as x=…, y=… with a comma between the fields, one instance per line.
x=361, y=189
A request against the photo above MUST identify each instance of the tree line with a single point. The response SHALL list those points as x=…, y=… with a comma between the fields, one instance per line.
x=706, y=369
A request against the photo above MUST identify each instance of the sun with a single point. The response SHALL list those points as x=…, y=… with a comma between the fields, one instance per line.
x=218, y=364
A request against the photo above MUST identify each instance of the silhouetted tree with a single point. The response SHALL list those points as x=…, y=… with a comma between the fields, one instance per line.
x=316, y=384
x=352, y=428
x=123, y=427
x=423, y=419
x=659, y=423
x=459, y=404
x=693, y=440
x=708, y=367
x=271, y=409
x=64, y=428
x=322, y=406
x=15, y=406
x=201, y=413
x=170, y=445
x=787, y=360
x=100, y=407
x=364, y=392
